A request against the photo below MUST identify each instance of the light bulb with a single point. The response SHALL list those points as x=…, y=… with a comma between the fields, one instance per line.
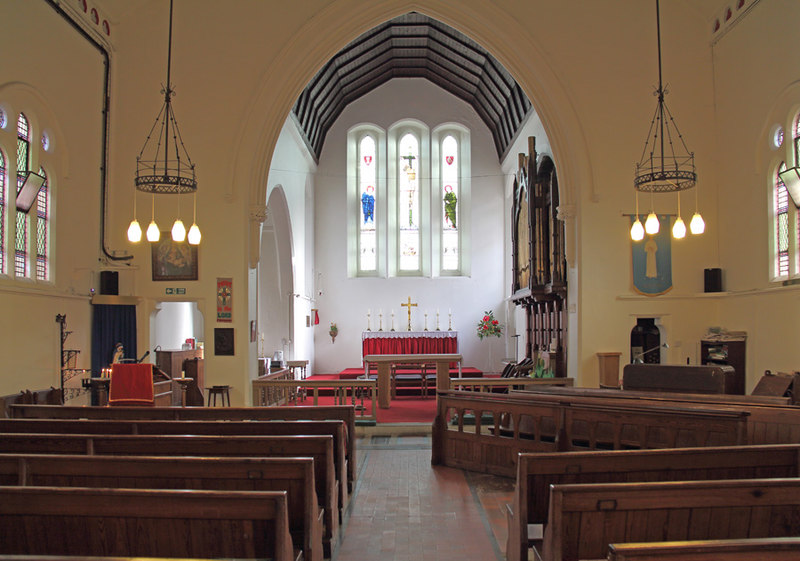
x=134, y=232
x=697, y=225
x=637, y=231
x=178, y=231
x=194, y=235
x=651, y=225
x=679, y=229
x=153, y=233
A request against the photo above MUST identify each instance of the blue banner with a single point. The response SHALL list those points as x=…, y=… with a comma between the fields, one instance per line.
x=651, y=259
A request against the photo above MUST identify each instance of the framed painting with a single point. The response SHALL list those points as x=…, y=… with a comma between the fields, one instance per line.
x=173, y=261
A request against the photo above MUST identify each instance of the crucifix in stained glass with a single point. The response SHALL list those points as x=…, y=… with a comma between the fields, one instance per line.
x=408, y=204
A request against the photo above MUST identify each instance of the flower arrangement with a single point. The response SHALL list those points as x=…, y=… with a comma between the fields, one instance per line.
x=488, y=326
x=334, y=331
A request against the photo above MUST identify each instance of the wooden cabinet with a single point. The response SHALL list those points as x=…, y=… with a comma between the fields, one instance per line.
x=730, y=352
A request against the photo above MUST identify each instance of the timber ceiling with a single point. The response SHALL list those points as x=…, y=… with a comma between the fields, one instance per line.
x=413, y=46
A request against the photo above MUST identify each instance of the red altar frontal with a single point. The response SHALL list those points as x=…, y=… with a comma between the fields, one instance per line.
x=408, y=342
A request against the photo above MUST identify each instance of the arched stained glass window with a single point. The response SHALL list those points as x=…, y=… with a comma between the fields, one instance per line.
x=42, y=229
x=781, y=225
x=2, y=213
x=408, y=217
x=450, y=204
x=367, y=184
x=23, y=162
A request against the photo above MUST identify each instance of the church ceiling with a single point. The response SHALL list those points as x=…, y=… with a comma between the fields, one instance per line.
x=413, y=46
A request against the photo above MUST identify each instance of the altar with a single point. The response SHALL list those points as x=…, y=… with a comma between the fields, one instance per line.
x=408, y=342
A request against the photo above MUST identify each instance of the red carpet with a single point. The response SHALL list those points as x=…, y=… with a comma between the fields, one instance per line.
x=402, y=410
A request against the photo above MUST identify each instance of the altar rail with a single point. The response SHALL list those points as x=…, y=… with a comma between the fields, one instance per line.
x=489, y=384
x=268, y=392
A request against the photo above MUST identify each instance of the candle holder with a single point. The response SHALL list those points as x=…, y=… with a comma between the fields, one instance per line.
x=426, y=321
x=450, y=322
x=437, y=321
x=369, y=328
x=392, y=321
x=380, y=322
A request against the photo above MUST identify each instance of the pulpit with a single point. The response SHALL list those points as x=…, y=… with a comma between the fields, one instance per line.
x=131, y=384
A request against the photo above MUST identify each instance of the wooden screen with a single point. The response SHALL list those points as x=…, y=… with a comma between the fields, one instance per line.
x=539, y=260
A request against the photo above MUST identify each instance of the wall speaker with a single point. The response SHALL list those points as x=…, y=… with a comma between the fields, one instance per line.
x=713, y=280
x=109, y=282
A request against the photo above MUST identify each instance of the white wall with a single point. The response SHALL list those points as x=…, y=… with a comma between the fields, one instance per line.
x=346, y=300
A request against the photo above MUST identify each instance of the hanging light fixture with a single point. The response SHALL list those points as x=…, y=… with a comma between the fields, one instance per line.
x=163, y=167
x=637, y=230
x=666, y=164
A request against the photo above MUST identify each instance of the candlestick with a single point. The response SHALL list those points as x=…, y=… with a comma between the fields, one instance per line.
x=368, y=321
x=437, y=320
x=450, y=321
x=380, y=320
x=426, y=320
x=392, y=320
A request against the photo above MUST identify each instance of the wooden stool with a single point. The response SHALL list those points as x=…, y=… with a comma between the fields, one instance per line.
x=222, y=391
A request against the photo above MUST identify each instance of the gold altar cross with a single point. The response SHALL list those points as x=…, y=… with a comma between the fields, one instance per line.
x=409, y=305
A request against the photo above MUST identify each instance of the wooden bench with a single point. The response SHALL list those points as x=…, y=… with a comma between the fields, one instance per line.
x=537, y=472
x=763, y=549
x=320, y=448
x=293, y=475
x=767, y=423
x=507, y=425
x=336, y=429
x=138, y=522
x=344, y=413
x=584, y=519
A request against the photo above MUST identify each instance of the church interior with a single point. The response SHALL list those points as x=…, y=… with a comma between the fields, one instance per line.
x=248, y=193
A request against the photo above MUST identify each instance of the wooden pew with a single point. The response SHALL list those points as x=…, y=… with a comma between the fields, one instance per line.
x=293, y=475
x=584, y=519
x=767, y=423
x=763, y=549
x=137, y=522
x=344, y=413
x=537, y=472
x=336, y=429
x=320, y=448
x=549, y=425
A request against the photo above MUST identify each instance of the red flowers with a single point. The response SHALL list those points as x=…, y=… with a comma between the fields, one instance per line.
x=489, y=326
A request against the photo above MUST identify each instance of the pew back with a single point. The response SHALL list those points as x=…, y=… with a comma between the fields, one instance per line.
x=293, y=475
x=127, y=522
x=320, y=448
x=764, y=549
x=585, y=518
x=537, y=472
x=336, y=429
x=344, y=413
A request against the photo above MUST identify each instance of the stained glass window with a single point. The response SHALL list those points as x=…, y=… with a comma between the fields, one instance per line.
x=781, y=225
x=408, y=218
x=450, y=204
x=367, y=182
x=42, y=229
x=23, y=161
x=2, y=213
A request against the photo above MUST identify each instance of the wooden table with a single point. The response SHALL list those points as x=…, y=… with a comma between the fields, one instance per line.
x=384, y=363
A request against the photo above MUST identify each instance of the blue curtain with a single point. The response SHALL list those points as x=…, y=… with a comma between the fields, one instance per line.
x=112, y=324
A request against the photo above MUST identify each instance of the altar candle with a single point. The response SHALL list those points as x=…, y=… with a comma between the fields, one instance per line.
x=380, y=312
x=369, y=311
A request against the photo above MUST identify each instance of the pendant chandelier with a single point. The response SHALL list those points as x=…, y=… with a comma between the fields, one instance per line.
x=163, y=167
x=666, y=165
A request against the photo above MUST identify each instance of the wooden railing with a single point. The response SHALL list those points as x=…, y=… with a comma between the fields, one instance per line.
x=489, y=384
x=268, y=392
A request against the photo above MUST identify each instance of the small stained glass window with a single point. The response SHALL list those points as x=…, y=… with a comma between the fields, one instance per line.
x=2, y=213
x=42, y=229
x=367, y=182
x=2, y=119
x=23, y=161
x=45, y=142
x=781, y=225
x=408, y=218
x=777, y=138
x=450, y=207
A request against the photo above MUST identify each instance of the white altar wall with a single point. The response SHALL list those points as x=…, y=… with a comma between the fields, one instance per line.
x=345, y=301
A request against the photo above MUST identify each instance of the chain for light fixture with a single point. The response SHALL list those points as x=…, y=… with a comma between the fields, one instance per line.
x=666, y=164
x=163, y=166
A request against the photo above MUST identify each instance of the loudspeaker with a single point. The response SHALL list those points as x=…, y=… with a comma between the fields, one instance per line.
x=713, y=280
x=109, y=282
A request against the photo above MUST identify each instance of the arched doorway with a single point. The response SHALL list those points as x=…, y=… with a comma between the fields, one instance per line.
x=276, y=279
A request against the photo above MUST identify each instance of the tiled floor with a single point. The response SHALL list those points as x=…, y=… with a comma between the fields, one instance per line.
x=404, y=509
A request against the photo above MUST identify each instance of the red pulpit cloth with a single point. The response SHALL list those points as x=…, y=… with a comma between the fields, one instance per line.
x=131, y=384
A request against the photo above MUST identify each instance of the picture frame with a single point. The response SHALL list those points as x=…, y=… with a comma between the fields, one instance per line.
x=173, y=261
x=223, y=341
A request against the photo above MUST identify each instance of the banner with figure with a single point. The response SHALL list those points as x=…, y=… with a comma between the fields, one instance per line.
x=651, y=259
